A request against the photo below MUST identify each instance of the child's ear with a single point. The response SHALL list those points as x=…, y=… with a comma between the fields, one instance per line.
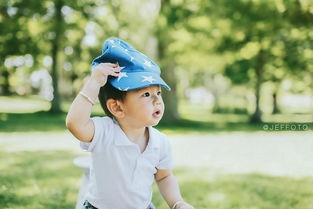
x=115, y=107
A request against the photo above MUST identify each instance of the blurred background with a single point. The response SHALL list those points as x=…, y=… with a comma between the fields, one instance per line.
x=239, y=115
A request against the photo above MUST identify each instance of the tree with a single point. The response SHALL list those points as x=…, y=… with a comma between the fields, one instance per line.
x=252, y=32
x=55, y=30
x=171, y=16
x=58, y=28
x=15, y=35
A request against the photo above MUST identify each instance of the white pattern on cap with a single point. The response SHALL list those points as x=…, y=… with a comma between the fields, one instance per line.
x=148, y=78
x=147, y=63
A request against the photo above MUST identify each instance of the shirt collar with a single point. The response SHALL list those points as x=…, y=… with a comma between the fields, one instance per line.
x=123, y=140
x=154, y=141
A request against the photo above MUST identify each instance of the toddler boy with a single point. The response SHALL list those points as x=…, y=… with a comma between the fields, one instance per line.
x=127, y=153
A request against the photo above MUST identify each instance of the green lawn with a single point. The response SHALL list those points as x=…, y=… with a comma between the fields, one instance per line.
x=30, y=114
x=48, y=179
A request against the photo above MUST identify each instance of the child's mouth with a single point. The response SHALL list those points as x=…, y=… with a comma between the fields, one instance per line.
x=157, y=114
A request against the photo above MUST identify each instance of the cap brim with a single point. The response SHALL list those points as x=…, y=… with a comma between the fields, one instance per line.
x=137, y=80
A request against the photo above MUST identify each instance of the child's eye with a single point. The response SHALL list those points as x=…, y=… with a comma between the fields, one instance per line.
x=159, y=93
x=146, y=94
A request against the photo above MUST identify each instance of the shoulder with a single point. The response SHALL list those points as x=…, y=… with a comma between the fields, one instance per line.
x=157, y=133
x=164, y=151
x=102, y=121
x=160, y=138
x=103, y=125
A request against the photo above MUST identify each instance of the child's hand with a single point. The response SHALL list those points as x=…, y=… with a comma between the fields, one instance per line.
x=184, y=205
x=101, y=72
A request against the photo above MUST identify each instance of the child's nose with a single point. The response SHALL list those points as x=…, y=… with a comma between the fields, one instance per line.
x=156, y=100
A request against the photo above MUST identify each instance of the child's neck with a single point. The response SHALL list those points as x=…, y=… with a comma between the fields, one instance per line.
x=135, y=134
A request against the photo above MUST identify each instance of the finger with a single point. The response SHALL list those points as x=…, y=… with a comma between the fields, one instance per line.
x=116, y=69
x=107, y=71
x=108, y=64
x=114, y=65
x=113, y=74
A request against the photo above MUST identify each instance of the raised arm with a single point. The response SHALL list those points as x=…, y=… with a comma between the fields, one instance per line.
x=78, y=119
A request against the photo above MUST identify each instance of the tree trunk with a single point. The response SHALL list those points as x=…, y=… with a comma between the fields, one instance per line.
x=167, y=68
x=217, y=106
x=6, y=83
x=168, y=74
x=170, y=97
x=256, y=117
x=275, y=104
x=74, y=75
x=55, y=103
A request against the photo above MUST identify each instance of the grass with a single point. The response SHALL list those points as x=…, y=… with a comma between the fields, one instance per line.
x=38, y=180
x=245, y=191
x=30, y=114
x=45, y=121
x=48, y=179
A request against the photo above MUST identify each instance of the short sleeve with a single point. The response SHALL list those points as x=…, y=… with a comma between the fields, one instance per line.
x=166, y=159
x=103, y=127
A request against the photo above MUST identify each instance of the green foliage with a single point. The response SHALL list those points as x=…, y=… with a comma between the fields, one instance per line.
x=200, y=40
x=257, y=34
x=238, y=71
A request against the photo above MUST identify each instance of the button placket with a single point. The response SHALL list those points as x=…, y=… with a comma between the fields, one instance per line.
x=136, y=166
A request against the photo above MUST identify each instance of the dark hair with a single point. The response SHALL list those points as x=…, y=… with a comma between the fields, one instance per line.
x=109, y=92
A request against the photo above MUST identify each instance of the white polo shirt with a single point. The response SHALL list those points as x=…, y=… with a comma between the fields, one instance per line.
x=120, y=175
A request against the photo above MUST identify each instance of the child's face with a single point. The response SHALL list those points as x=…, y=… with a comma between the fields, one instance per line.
x=144, y=107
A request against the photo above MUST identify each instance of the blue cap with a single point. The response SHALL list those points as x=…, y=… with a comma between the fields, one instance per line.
x=137, y=70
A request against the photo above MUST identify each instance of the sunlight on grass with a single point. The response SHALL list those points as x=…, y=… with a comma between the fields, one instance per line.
x=298, y=118
x=48, y=179
x=22, y=104
x=200, y=112
x=242, y=191
x=31, y=183
x=29, y=104
x=38, y=141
